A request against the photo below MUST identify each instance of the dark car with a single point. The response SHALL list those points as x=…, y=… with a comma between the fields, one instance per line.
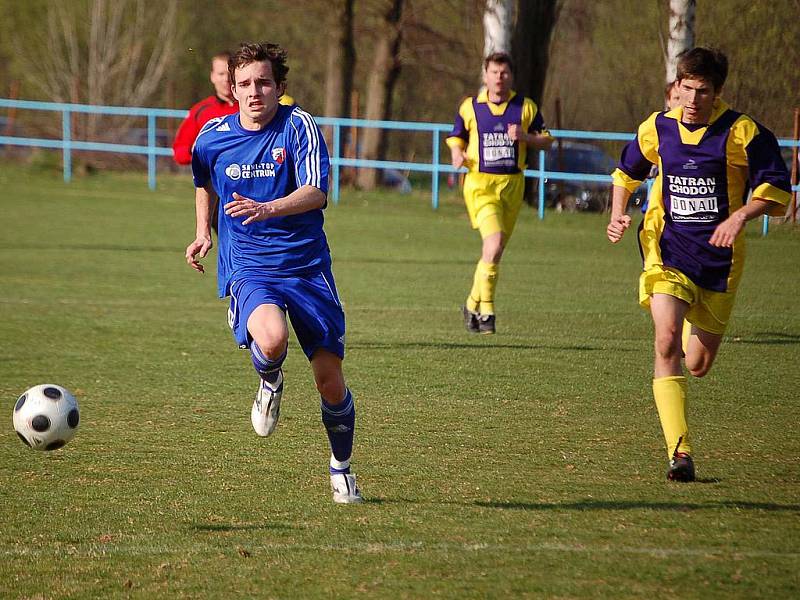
x=575, y=157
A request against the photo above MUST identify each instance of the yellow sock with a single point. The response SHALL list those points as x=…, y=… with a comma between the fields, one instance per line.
x=473, y=302
x=670, y=396
x=488, y=283
x=685, y=335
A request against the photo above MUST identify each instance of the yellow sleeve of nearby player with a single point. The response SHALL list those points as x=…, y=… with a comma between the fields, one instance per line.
x=638, y=156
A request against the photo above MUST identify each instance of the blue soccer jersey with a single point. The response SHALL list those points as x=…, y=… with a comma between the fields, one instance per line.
x=265, y=165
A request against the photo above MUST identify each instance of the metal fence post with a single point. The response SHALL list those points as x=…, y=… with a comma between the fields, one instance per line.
x=151, y=151
x=541, y=185
x=66, y=134
x=335, y=175
x=435, y=173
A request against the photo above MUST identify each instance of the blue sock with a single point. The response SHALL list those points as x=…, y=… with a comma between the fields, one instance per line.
x=340, y=423
x=266, y=368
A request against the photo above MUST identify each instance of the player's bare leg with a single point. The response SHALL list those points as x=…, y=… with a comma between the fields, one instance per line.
x=339, y=418
x=669, y=383
x=267, y=326
x=701, y=350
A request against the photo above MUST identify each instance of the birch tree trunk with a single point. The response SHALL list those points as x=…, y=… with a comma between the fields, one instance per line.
x=681, y=33
x=380, y=88
x=498, y=18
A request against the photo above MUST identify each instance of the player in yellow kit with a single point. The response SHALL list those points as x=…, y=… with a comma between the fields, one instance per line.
x=709, y=158
x=491, y=136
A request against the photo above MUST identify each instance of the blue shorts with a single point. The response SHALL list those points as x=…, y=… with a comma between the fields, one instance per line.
x=310, y=300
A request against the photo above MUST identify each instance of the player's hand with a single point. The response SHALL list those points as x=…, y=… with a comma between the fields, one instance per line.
x=617, y=227
x=515, y=132
x=246, y=207
x=196, y=250
x=725, y=233
x=458, y=158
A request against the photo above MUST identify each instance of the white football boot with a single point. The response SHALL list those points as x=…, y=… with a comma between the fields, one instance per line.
x=345, y=490
x=267, y=406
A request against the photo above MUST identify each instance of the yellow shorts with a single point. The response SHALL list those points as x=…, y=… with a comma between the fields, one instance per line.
x=493, y=201
x=710, y=311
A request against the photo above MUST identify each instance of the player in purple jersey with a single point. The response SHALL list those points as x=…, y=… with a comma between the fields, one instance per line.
x=709, y=158
x=491, y=136
x=268, y=165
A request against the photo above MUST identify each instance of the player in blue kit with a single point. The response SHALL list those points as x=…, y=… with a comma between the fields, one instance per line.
x=709, y=158
x=268, y=165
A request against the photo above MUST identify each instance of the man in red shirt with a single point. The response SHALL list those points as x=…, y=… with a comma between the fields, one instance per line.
x=220, y=104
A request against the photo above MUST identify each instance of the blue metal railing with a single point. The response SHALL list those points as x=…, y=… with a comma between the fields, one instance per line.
x=67, y=145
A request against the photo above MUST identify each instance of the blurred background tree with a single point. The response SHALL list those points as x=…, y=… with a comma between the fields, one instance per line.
x=604, y=62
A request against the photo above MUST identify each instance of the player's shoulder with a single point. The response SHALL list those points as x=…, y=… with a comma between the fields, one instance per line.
x=745, y=128
x=297, y=119
x=649, y=124
x=214, y=129
x=203, y=104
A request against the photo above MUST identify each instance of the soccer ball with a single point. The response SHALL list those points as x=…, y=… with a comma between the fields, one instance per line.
x=46, y=417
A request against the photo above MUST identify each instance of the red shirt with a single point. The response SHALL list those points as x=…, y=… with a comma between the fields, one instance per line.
x=200, y=114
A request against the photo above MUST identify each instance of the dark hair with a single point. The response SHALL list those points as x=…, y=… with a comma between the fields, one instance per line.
x=703, y=63
x=250, y=53
x=501, y=58
x=668, y=90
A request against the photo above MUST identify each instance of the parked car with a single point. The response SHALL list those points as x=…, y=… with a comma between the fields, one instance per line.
x=575, y=157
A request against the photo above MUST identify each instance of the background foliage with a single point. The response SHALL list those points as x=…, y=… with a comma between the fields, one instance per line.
x=606, y=62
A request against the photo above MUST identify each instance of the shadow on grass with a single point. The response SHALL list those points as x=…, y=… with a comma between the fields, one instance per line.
x=770, y=338
x=226, y=527
x=477, y=346
x=589, y=505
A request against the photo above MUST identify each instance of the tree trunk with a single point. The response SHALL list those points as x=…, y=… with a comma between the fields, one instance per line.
x=380, y=88
x=531, y=53
x=341, y=60
x=681, y=33
x=498, y=18
x=531, y=45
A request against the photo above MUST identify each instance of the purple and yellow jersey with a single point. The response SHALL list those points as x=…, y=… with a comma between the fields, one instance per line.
x=265, y=165
x=482, y=127
x=706, y=172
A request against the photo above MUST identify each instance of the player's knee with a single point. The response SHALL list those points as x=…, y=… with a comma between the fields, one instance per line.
x=330, y=386
x=699, y=367
x=668, y=346
x=272, y=344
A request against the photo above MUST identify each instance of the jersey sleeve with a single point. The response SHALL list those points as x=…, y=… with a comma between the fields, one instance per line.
x=767, y=173
x=201, y=170
x=309, y=151
x=533, y=115
x=459, y=135
x=638, y=156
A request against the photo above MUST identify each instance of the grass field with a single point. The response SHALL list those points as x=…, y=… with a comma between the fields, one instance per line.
x=526, y=464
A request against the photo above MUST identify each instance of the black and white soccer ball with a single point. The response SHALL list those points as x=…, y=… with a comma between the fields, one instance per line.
x=46, y=417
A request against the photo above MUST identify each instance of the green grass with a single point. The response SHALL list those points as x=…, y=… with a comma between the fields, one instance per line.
x=527, y=464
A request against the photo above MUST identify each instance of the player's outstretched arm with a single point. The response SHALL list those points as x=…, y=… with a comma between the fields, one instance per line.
x=619, y=221
x=725, y=233
x=204, y=199
x=303, y=199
